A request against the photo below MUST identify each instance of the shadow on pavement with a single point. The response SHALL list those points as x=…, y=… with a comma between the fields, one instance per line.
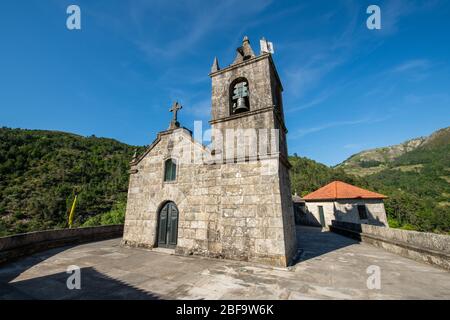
x=94, y=285
x=312, y=242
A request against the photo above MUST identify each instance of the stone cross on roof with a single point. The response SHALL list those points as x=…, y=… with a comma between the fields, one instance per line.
x=175, y=108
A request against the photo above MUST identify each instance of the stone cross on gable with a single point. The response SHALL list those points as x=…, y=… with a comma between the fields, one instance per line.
x=175, y=108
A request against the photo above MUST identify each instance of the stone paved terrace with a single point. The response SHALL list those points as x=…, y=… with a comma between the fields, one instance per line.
x=331, y=267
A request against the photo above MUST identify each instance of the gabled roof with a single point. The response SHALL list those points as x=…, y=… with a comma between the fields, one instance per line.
x=341, y=190
x=183, y=130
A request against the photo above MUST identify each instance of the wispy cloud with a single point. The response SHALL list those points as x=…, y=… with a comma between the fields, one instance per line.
x=303, y=132
x=320, y=97
x=305, y=77
x=430, y=99
x=200, y=109
x=196, y=26
x=412, y=65
x=321, y=58
x=414, y=69
x=352, y=146
x=394, y=10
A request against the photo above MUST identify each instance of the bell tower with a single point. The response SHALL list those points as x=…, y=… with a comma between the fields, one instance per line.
x=247, y=101
x=230, y=204
x=248, y=95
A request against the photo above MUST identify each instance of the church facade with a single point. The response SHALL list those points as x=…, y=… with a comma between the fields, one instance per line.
x=231, y=199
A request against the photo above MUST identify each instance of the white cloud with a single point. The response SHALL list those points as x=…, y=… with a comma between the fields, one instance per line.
x=430, y=99
x=352, y=146
x=393, y=11
x=303, y=132
x=201, y=20
x=200, y=109
x=412, y=65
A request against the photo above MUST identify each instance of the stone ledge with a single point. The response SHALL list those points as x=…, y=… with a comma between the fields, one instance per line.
x=280, y=261
x=135, y=244
x=242, y=115
x=241, y=64
x=402, y=248
x=17, y=246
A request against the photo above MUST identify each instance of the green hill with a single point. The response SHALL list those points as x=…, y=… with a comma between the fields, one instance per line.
x=371, y=161
x=418, y=183
x=41, y=170
x=308, y=175
x=416, y=179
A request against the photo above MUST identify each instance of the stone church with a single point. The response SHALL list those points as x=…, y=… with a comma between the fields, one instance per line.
x=231, y=199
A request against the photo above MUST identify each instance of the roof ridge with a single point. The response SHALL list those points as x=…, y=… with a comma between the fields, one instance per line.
x=342, y=190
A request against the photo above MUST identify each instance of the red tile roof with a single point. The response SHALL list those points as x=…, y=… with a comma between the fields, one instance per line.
x=342, y=190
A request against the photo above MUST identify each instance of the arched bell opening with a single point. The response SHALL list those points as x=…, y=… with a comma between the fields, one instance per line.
x=239, y=96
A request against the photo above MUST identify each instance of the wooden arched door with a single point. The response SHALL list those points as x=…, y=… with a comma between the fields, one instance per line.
x=168, y=226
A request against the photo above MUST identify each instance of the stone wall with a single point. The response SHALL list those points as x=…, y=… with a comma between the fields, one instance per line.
x=312, y=209
x=236, y=201
x=289, y=228
x=266, y=109
x=421, y=246
x=347, y=210
x=19, y=245
x=258, y=74
x=226, y=210
x=304, y=217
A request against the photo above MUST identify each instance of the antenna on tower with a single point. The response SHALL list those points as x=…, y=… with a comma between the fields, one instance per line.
x=266, y=46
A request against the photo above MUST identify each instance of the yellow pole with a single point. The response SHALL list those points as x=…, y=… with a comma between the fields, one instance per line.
x=72, y=211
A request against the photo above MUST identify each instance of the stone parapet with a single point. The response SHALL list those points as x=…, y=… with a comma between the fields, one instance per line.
x=24, y=244
x=421, y=246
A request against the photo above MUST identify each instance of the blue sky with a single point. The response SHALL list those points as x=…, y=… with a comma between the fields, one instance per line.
x=347, y=88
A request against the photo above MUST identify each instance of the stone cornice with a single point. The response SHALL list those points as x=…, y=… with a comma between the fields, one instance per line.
x=239, y=65
x=251, y=113
x=249, y=61
x=236, y=160
x=242, y=115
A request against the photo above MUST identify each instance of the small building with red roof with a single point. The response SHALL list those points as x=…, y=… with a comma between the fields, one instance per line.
x=342, y=202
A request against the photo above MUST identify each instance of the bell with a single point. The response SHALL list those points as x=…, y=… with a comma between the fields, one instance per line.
x=241, y=106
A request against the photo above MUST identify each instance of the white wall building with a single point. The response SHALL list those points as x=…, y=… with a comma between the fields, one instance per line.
x=343, y=202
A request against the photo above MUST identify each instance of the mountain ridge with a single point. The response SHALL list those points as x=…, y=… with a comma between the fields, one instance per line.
x=374, y=160
x=41, y=170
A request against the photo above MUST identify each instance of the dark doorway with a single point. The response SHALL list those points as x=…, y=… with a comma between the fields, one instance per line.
x=362, y=212
x=321, y=216
x=168, y=226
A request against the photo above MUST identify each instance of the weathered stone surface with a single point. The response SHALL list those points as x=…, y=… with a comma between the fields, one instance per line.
x=345, y=210
x=331, y=267
x=422, y=246
x=19, y=245
x=233, y=205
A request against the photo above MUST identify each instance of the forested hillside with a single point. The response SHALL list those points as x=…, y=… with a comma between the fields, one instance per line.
x=40, y=171
x=371, y=161
x=415, y=175
x=416, y=201
x=418, y=184
x=308, y=175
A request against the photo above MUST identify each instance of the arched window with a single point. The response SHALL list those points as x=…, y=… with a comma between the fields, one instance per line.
x=239, y=96
x=170, y=170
